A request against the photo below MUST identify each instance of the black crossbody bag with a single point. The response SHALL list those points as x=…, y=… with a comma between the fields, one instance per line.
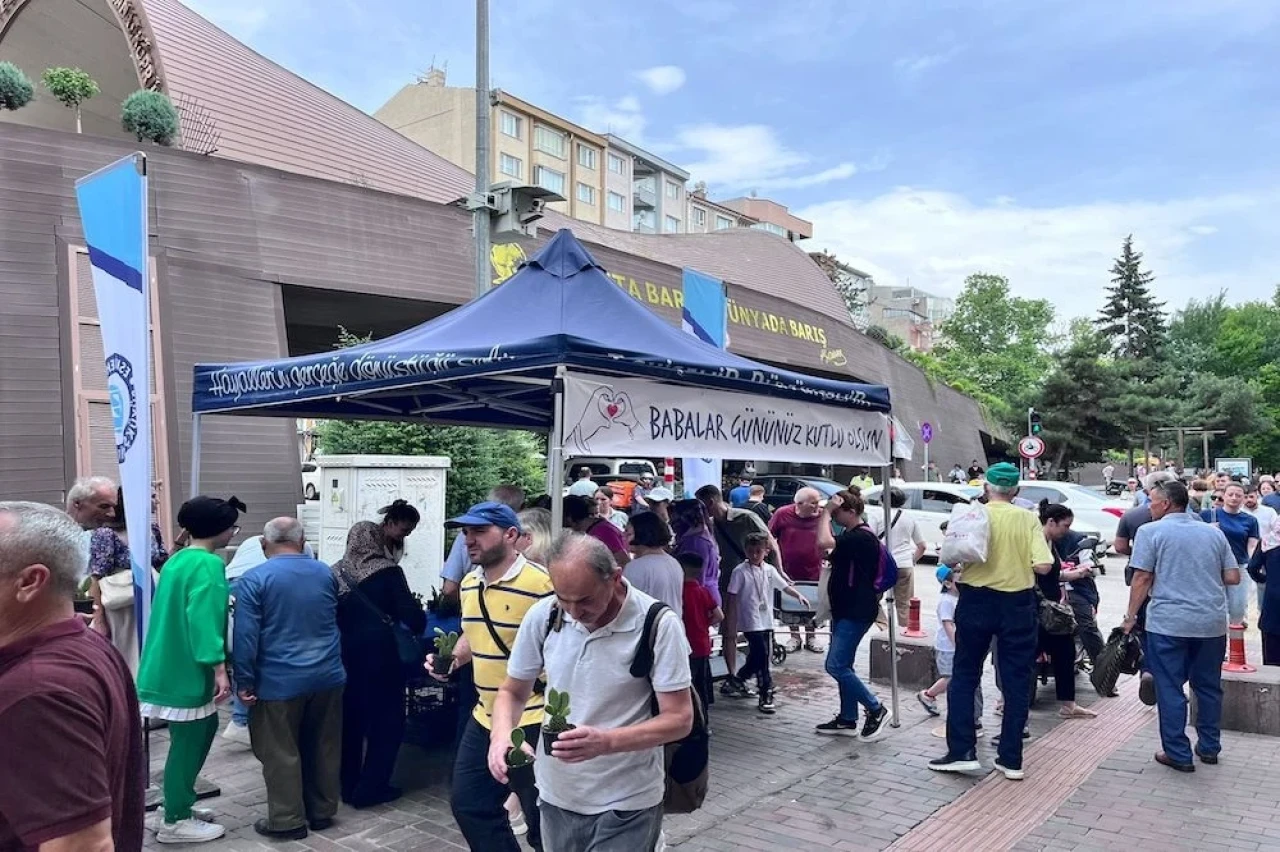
x=408, y=646
x=539, y=685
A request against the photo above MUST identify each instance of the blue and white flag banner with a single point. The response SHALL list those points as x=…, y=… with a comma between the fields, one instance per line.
x=705, y=315
x=113, y=211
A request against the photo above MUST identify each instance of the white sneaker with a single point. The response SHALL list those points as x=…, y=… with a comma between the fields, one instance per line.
x=189, y=831
x=237, y=734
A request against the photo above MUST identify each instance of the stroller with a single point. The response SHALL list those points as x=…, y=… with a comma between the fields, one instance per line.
x=792, y=613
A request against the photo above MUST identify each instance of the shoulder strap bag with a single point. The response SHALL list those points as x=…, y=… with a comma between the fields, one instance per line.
x=539, y=685
x=408, y=646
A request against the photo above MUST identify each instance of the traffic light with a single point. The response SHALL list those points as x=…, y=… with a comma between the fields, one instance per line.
x=1033, y=419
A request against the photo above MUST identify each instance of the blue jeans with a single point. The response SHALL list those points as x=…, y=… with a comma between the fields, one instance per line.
x=1174, y=661
x=1010, y=619
x=1238, y=598
x=477, y=798
x=845, y=636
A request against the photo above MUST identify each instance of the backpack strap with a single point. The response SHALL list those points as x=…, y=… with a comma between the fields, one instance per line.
x=642, y=663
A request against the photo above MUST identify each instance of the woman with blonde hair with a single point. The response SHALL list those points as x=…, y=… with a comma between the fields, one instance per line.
x=536, y=538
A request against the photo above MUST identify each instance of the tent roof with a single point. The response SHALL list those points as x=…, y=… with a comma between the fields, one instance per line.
x=490, y=362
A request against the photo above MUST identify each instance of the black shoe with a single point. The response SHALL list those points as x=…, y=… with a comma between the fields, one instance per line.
x=1164, y=760
x=995, y=741
x=1206, y=758
x=766, y=702
x=873, y=728
x=951, y=763
x=360, y=801
x=320, y=824
x=264, y=828
x=1147, y=689
x=838, y=727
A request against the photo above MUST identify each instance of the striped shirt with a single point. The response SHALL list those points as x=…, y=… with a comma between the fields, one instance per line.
x=508, y=600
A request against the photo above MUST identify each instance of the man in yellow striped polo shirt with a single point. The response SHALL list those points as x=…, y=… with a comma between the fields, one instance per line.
x=496, y=595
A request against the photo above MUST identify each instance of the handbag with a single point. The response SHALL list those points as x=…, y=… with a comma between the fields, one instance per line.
x=409, y=647
x=116, y=590
x=1056, y=617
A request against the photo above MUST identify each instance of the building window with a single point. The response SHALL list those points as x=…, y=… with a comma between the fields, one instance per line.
x=723, y=222
x=699, y=216
x=586, y=193
x=617, y=203
x=548, y=140
x=771, y=228
x=673, y=190
x=645, y=221
x=510, y=166
x=616, y=165
x=671, y=224
x=549, y=179
x=512, y=125
x=586, y=157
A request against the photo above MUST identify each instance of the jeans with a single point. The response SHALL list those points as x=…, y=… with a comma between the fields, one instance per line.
x=477, y=798
x=1175, y=660
x=1238, y=598
x=611, y=831
x=1010, y=619
x=759, y=647
x=239, y=712
x=845, y=636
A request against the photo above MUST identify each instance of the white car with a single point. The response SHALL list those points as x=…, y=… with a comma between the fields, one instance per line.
x=929, y=503
x=1095, y=513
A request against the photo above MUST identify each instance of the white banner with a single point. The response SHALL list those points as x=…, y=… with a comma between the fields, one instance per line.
x=638, y=417
x=113, y=212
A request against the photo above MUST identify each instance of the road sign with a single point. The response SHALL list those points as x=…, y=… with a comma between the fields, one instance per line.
x=926, y=432
x=1031, y=447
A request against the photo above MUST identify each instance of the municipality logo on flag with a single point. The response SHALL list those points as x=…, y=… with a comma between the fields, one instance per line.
x=124, y=403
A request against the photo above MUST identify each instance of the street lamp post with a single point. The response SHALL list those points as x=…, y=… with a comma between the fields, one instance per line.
x=481, y=211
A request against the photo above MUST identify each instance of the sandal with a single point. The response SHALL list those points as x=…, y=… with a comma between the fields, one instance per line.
x=812, y=645
x=1077, y=713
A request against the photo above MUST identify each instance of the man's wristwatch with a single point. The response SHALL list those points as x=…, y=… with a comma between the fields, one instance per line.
x=1129, y=618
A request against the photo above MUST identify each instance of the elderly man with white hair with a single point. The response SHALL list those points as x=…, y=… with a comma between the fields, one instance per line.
x=288, y=670
x=91, y=501
x=74, y=773
x=804, y=540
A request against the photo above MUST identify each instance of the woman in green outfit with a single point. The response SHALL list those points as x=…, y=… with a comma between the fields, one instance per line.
x=183, y=673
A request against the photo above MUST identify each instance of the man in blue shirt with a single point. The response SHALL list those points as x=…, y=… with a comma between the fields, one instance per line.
x=288, y=668
x=739, y=496
x=1186, y=568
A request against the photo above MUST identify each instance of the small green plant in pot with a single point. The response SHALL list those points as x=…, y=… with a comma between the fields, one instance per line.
x=519, y=764
x=445, y=643
x=556, y=718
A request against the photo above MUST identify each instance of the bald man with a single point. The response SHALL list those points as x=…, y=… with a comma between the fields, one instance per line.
x=804, y=542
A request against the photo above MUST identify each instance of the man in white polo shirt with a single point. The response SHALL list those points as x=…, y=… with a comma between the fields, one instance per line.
x=603, y=788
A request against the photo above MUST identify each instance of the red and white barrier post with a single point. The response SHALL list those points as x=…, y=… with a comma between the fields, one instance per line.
x=1235, y=651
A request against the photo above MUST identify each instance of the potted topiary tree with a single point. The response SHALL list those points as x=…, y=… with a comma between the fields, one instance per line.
x=71, y=87
x=557, y=718
x=150, y=116
x=16, y=90
x=519, y=764
x=445, y=643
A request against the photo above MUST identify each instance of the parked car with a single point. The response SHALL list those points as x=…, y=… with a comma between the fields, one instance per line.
x=780, y=489
x=929, y=504
x=601, y=466
x=1095, y=513
x=310, y=481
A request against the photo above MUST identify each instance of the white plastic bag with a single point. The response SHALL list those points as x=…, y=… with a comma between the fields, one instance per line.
x=965, y=541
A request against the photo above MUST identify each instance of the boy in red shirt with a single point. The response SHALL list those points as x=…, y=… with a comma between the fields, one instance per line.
x=700, y=615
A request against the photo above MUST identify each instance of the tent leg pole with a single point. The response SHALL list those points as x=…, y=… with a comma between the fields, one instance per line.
x=555, y=453
x=195, y=455
x=887, y=504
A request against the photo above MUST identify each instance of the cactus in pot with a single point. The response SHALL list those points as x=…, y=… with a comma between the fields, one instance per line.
x=556, y=718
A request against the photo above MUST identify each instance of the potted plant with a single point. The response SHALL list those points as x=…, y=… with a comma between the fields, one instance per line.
x=16, y=90
x=519, y=764
x=557, y=718
x=82, y=603
x=445, y=643
x=71, y=87
x=150, y=116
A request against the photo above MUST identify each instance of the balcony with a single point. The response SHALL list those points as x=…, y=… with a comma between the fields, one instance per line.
x=644, y=194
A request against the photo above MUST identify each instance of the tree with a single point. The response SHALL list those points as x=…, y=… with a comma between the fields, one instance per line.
x=71, y=87
x=16, y=90
x=886, y=338
x=1193, y=332
x=995, y=344
x=150, y=116
x=482, y=458
x=852, y=288
x=1132, y=320
x=1075, y=402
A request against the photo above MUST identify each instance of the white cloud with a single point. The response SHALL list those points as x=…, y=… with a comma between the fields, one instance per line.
x=622, y=117
x=934, y=239
x=915, y=66
x=749, y=156
x=662, y=79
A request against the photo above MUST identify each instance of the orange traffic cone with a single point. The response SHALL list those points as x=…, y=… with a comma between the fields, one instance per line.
x=913, y=620
x=1235, y=651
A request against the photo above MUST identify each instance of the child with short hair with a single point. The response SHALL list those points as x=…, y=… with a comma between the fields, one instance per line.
x=750, y=609
x=944, y=647
x=701, y=613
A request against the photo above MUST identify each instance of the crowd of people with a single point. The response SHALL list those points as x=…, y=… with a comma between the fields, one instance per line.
x=316, y=658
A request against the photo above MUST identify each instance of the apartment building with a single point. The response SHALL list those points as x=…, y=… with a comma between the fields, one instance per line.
x=910, y=313
x=705, y=215
x=658, y=196
x=772, y=217
x=528, y=144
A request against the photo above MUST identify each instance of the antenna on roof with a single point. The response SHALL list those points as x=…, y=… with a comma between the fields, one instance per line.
x=434, y=75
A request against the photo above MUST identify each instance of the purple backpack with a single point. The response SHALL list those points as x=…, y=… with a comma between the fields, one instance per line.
x=887, y=568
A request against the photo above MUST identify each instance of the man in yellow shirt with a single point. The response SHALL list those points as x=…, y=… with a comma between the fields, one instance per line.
x=997, y=601
x=496, y=595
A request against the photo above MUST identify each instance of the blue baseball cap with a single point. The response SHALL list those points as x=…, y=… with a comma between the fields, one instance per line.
x=945, y=573
x=487, y=514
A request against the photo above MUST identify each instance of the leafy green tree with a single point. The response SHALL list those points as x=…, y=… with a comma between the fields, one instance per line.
x=150, y=116
x=72, y=87
x=1193, y=332
x=1132, y=320
x=1146, y=397
x=886, y=338
x=1076, y=402
x=16, y=90
x=482, y=458
x=852, y=289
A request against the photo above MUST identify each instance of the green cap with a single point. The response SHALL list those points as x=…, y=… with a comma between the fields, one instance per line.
x=1003, y=474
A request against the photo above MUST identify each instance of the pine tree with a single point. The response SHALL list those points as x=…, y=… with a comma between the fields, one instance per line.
x=1132, y=320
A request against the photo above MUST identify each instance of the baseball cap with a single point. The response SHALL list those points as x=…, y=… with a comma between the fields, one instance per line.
x=486, y=514
x=659, y=495
x=945, y=573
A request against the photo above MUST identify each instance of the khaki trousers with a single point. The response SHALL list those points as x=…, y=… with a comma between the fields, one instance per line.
x=299, y=743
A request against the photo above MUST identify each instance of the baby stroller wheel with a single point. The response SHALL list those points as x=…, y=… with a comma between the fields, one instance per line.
x=779, y=653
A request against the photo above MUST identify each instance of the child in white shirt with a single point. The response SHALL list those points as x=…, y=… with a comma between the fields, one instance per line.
x=750, y=611
x=944, y=647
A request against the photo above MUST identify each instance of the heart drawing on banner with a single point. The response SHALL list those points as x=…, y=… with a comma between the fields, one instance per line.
x=606, y=409
x=613, y=406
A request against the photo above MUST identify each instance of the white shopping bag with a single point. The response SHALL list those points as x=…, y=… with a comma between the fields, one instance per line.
x=966, y=537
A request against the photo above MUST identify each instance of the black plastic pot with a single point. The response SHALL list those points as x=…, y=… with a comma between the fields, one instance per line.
x=84, y=607
x=520, y=778
x=441, y=665
x=549, y=738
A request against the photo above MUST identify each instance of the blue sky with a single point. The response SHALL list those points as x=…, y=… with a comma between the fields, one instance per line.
x=926, y=139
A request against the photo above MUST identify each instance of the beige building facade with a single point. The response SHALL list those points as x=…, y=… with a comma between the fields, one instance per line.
x=772, y=217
